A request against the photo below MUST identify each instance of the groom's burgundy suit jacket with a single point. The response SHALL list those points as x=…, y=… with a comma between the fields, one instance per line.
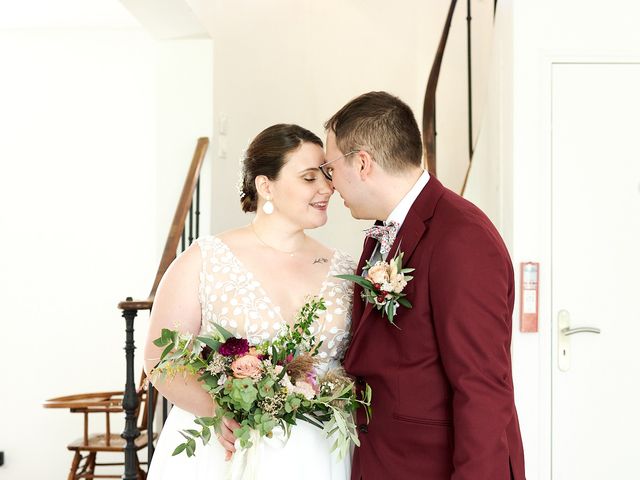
x=442, y=402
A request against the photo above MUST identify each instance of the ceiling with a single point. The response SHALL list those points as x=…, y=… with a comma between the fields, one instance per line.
x=65, y=14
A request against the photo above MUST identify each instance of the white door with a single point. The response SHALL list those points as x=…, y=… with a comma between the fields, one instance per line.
x=596, y=271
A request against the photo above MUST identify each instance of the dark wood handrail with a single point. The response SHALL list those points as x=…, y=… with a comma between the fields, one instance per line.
x=429, y=107
x=177, y=227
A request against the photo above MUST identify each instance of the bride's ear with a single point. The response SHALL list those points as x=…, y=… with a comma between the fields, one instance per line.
x=263, y=186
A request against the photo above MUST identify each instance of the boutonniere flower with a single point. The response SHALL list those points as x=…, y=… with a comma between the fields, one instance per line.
x=382, y=285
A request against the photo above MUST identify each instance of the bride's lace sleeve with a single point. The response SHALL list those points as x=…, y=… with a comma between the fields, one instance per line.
x=345, y=265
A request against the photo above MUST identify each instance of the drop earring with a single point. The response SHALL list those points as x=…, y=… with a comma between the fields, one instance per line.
x=268, y=206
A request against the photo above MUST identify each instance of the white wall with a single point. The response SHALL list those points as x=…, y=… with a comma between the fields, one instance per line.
x=184, y=103
x=99, y=127
x=544, y=31
x=489, y=185
x=77, y=192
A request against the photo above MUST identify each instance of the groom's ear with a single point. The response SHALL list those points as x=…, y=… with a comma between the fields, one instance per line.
x=364, y=163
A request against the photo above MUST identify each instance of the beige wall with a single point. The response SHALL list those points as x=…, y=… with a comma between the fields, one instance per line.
x=300, y=61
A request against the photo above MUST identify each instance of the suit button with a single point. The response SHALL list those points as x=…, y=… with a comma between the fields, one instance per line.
x=363, y=428
x=360, y=381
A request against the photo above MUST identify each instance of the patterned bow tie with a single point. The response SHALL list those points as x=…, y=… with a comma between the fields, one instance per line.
x=385, y=234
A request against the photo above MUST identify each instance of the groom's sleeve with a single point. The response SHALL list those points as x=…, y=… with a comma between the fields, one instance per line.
x=471, y=283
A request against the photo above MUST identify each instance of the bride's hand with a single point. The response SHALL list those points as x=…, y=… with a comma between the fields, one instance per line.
x=227, y=439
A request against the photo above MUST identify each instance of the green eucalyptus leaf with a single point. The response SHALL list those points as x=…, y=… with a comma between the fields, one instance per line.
x=404, y=302
x=179, y=449
x=226, y=334
x=206, y=435
x=363, y=282
x=205, y=421
x=210, y=342
x=166, y=351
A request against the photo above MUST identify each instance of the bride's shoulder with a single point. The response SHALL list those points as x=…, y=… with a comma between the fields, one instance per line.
x=222, y=239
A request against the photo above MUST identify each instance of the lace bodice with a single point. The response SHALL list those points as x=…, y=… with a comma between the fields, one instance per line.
x=231, y=296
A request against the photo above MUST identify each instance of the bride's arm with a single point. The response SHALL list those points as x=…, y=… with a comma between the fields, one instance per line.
x=176, y=306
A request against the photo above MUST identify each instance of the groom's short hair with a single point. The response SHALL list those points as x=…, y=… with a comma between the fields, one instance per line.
x=382, y=125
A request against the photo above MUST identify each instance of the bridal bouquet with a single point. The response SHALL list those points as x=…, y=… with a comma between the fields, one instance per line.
x=263, y=386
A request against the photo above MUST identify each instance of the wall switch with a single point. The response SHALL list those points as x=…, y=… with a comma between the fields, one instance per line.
x=222, y=148
x=223, y=124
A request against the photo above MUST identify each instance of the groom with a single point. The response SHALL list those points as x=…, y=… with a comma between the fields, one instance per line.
x=442, y=403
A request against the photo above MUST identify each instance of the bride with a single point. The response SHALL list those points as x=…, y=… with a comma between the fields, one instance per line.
x=252, y=280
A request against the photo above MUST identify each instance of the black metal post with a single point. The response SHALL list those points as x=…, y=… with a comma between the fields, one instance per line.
x=469, y=79
x=191, y=222
x=165, y=410
x=151, y=406
x=198, y=208
x=130, y=402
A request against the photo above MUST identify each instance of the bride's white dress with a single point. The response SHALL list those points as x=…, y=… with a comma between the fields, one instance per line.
x=231, y=296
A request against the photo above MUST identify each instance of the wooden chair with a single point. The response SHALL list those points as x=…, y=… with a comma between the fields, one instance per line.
x=138, y=432
x=87, y=447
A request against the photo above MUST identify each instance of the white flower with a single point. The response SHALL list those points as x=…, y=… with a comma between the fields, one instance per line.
x=301, y=387
x=284, y=381
x=185, y=337
x=217, y=364
x=305, y=389
x=397, y=283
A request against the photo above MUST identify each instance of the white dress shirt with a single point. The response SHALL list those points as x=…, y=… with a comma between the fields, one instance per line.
x=402, y=209
x=399, y=213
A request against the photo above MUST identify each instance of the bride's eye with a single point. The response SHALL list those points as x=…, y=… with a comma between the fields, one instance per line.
x=310, y=179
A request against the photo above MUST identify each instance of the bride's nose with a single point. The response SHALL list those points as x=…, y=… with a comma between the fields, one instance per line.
x=326, y=187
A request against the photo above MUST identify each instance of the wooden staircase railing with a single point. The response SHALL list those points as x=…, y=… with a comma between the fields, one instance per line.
x=130, y=307
x=429, y=106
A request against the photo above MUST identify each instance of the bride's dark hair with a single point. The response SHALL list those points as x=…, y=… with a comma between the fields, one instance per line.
x=266, y=156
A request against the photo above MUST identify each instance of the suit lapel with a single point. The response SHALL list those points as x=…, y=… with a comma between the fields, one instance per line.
x=358, y=303
x=412, y=230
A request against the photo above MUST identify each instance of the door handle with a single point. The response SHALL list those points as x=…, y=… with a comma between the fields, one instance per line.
x=572, y=331
x=564, y=343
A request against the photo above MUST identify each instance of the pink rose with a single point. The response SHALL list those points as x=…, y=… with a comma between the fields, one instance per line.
x=247, y=366
x=379, y=273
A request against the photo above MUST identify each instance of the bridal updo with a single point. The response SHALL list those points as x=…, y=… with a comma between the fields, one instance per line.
x=266, y=156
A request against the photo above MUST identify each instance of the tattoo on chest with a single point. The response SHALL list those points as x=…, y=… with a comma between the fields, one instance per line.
x=320, y=260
